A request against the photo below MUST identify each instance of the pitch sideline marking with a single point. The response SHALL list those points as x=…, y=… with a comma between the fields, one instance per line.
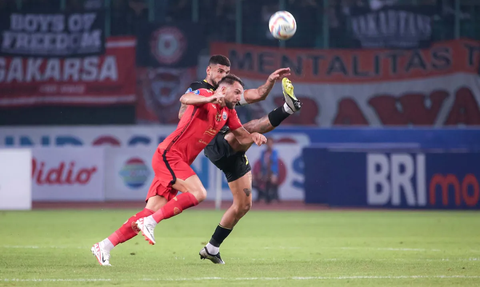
x=245, y=278
x=278, y=247
x=391, y=248
x=263, y=259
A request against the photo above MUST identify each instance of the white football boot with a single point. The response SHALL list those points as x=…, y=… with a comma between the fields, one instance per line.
x=147, y=228
x=103, y=256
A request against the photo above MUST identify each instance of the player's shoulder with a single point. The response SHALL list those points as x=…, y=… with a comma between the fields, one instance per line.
x=204, y=92
x=199, y=85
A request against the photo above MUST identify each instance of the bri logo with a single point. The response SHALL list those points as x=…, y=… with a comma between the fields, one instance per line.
x=403, y=179
x=135, y=173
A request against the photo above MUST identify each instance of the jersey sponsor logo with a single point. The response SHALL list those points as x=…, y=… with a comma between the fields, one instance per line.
x=168, y=45
x=211, y=132
x=224, y=115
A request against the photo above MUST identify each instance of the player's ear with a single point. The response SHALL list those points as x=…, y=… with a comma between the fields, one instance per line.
x=208, y=69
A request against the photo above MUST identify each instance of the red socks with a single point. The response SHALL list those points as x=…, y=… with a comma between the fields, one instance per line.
x=127, y=230
x=175, y=206
x=172, y=208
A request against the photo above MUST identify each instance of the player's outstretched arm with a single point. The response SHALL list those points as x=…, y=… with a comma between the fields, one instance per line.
x=259, y=94
x=246, y=138
x=197, y=100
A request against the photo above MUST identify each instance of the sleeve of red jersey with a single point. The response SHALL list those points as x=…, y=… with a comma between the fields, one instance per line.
x=202, y=92
x=233, y=121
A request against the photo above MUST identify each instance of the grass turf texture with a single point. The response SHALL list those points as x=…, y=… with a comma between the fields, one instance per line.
x=326, y=248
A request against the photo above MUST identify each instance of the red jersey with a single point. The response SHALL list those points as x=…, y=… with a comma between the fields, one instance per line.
x=197, y=127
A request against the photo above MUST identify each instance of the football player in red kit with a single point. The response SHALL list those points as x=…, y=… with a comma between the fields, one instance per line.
x=208, y=111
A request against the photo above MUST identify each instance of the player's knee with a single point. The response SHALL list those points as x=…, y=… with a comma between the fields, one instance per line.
x=200, y=194
x=246, y=207
x=242, y=208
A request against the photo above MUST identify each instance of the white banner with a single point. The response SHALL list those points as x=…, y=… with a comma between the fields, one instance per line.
x=68, y=174
x=117, y=136
x=291, y=172
x=128, y=172
x=437, y=86
x=434, y=101
x=15, y=179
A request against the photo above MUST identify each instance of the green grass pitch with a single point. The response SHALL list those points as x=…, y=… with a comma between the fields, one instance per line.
x=267, y=248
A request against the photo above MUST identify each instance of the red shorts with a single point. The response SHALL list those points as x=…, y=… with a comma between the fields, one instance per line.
x=166, y=172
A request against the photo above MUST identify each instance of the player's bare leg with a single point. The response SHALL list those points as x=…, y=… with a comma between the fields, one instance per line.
x=193, y=192
x=127, y=231
x=273, y=119
x=156, y=202
x=242, y=202
x=242, y=187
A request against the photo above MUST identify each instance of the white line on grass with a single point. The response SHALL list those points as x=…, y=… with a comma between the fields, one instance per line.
x=43, y=247
x=55, y=280
x=268, y=247
x=392, y=249
x=281, y=247
x=246, y=278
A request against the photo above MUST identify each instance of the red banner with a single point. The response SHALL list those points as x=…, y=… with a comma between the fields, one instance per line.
x=96, y=80
x=352, y=66
x=159, y=91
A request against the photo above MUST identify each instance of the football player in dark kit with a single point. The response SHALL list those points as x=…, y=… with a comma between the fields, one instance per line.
x=225, y=152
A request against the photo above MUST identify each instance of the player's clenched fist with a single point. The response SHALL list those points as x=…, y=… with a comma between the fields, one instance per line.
x=216, y=99
x=258, y=139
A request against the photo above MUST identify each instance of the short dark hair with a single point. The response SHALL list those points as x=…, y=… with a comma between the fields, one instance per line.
x=219, y=59
x=230, y=79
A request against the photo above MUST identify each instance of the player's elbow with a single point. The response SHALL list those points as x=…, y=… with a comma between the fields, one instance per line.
x=184, y=101
x=261, y=97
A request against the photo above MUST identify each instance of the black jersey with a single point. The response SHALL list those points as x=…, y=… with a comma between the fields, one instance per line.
x=200, y=85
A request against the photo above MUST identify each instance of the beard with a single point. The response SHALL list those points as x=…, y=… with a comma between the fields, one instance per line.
x=229, y=105
x=215, y=83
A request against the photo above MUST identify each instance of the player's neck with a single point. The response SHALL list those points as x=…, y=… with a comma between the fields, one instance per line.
x=209, y=81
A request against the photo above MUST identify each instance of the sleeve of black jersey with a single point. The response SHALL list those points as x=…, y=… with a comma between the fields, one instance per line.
x=196, y=85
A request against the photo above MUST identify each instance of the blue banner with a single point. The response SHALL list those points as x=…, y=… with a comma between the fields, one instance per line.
x=423, y=179
x=420, y=137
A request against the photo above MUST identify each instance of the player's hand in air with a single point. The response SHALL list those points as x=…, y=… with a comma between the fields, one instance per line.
x=279, y=74
x=258, y=139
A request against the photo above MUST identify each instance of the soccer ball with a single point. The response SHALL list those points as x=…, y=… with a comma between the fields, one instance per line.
x=282, y=25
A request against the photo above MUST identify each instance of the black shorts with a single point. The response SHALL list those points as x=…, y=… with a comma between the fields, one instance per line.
x=233, y=164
